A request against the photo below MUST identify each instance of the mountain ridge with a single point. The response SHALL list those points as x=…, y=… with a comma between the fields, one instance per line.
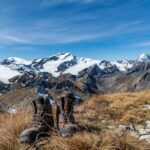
x=82, y=76
x=64, y=63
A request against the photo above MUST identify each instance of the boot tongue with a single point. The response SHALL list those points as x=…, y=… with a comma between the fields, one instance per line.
x=43, y=101
x=47, y=100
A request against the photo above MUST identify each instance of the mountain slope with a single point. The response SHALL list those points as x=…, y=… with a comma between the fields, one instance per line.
x=83, y=76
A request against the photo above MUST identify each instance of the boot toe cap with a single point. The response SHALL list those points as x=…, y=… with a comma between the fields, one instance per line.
x=28, y=135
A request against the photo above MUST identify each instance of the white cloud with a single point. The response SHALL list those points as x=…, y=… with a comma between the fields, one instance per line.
x=142, y=44
x=10, y=38
x=56, y=2
x=60, y=31
x=72, y=25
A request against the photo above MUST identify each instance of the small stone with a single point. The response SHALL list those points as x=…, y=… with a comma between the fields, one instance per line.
x=132, y=127
x=123, y=128
x=138, y=127
x=142, y=131
x=145, y=137
x=148, y=124
x=103, y=121
x=147, y=130
x=111, y=127
x=146, y=106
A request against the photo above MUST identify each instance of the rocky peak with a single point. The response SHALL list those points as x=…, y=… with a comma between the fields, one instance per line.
x=124, y=65
x=144, y=58
x=15, y=60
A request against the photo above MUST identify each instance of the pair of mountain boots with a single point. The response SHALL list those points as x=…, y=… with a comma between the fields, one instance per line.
x=43, y=122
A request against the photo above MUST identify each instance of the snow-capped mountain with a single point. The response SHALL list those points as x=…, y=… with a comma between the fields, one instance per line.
x=16, y=60
x=63, y=63
x=144, y=58
x=7, y=73
x=17, y=64
x=124, y=65
x=55, y=64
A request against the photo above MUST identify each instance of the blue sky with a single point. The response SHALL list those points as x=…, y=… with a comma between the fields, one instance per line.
x=101, y=29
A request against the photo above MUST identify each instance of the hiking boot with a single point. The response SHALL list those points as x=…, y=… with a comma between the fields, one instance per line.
x=70, y=126
x=67, y=106
x=41, y=123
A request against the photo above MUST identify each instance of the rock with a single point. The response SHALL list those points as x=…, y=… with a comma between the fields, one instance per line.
x=145, y=137
x=148, y=124
x=142, y=132
x=138, y=127
x=4, y=108
x=146, y=106
x=12, y=111
x=111, y=127
x=147, y=130
x=122, y=128
x=137, y=131
x=132, y=127
x=4, y=87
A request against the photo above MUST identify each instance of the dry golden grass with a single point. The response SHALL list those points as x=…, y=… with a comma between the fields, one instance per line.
x=97, y=113
x=10, y=128
x=118, y=107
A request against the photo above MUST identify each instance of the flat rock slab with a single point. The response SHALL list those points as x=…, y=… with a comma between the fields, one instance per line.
x=145, y=137
x=148, y=124
x=146, y=106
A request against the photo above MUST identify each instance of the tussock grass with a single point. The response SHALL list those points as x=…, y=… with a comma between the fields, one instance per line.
x=118, y=107
x=98, y=113
x=11, y=126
